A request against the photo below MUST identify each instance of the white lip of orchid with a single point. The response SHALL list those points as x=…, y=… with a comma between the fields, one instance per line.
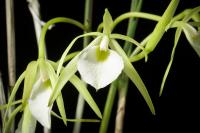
x=100, y=68
x=38, y=102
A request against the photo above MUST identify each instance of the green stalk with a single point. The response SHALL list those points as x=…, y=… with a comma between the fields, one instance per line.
x=41, y=49
x=10, y=27
x=123, y=80
x=88, y=24
x=34, y=7
x=108, y=108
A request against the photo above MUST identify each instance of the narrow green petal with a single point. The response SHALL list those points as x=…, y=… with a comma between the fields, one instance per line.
x=64, y=77
x=7, y=125
x=133, y=75
x=129, y=39
x=177, y=36
x=29, y=123
x=51, y=73
x=31, y=73
x=13, y=93
x=53, y=78
x=61, y=108
x=80, y=86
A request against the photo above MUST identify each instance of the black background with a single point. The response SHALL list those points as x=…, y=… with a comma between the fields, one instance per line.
x=176, y=110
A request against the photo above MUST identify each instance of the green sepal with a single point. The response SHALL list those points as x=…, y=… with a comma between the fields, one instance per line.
x=29, y=122
x=107, y=22
x=177, y=36
x=6, y=128
x=81, y=87
x=30, y=77
x=130, y=71
x=13, y=93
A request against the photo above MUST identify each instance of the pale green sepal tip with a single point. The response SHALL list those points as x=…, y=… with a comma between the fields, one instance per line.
x=107, y=22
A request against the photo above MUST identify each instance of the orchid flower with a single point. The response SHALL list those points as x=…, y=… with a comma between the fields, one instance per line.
x=39, y=79
x=38, y=101
x=101, y=62
x=99, y=65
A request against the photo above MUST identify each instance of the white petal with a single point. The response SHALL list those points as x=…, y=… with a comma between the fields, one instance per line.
x=38, y=103
x=99, y=73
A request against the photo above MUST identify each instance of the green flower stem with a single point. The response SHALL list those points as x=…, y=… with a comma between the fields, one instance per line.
x=108, y=108
x=123, y=80
x=41, y=49
x=88, y=24
x=159, y=30
x=135, y=15
x=131, y=15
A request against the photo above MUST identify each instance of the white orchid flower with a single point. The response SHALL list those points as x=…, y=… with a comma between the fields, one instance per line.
x=99, y=65
x=38, y=102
